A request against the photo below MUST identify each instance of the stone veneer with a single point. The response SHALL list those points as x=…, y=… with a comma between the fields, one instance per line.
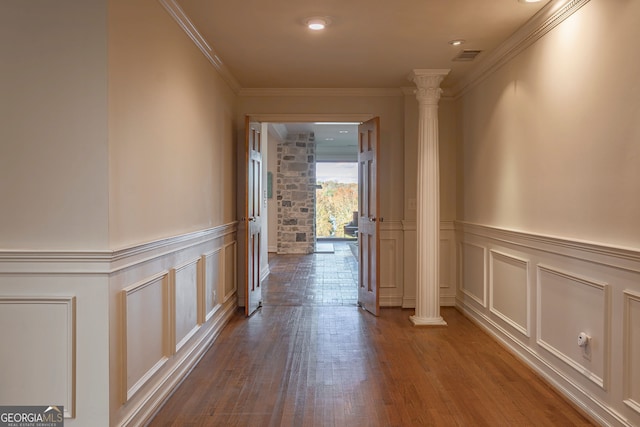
x=296, y=194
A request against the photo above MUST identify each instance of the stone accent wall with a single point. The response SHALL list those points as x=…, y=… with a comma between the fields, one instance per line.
x=296, y=194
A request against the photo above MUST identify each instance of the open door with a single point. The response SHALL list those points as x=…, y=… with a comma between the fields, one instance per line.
x=249, y=229
x=368, y=228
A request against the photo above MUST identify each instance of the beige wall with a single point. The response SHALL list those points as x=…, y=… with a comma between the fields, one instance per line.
x=172, y=165
x=171, y=130
x=551, y=139
x=53, y=125
x=549, y=147
x=390, y=109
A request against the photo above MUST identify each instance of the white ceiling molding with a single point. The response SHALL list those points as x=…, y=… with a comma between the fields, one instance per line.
x=549, y=17
x=334, y=92
x=279, y=129
x=309, y=118
x=185, y=23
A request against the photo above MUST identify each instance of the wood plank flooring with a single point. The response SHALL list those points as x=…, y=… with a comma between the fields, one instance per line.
x=309, y=362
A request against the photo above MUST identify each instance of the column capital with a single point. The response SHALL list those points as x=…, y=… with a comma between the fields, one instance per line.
x=428, y=83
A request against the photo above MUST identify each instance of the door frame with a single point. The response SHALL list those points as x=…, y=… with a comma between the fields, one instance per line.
x=303, y=118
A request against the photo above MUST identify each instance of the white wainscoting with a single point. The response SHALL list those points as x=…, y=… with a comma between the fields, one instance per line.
x=580, y=305
x=109, y=334
x=543, y=292
x=631, y=373
x=448, y=262
x=391, y=254
x=210, y=264
x=510, y=290
x=230, y=272
x=146, y=337
x=473, y=272
x=38, y=352
x=170, y=316
x=185, y=289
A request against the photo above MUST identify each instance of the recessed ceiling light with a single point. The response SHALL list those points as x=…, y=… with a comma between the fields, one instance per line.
x=344, y=131
x=456, y=42
x=329, y=139
x=317, y=23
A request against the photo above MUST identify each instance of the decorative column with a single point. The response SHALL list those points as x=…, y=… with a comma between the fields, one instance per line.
x=428, y=198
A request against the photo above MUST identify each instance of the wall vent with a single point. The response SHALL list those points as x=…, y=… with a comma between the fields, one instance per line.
x=467, y=55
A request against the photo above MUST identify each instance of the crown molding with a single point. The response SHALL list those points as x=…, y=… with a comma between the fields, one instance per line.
x=279, y=129
x=306, y=118
x=315, y=92
x=190, y=29
x=549, y=17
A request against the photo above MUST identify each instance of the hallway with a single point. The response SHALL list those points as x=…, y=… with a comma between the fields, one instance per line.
x=310, y=357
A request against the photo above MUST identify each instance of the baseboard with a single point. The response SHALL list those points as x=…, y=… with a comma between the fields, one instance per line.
x=265, y=272
x=151, y=402
x=573, y=392
x=391, y=301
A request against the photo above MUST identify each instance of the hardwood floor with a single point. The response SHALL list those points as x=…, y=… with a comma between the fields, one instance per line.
x=309, y=362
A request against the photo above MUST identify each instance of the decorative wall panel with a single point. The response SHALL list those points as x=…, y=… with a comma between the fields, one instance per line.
x=391, y=264
x=230, y=272
x=510, y=290
x=146, y=333
x=185, y=287
x=631, y=373
x=568, y=305
x=388, y=263
x=38, y=351
x=448, y=264
x=473, y=272
x=211, y=277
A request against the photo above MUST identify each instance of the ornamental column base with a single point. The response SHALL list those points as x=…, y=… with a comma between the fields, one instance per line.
x=427, y=321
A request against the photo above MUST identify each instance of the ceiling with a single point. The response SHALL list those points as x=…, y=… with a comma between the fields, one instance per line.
x=331, y=139
x=368, y=44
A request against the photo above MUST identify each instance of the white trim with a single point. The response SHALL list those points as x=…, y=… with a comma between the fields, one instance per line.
x=69, y=402
x=158, y=248
x=107, y=261
x=603, y=381
x=627, y=259
x=411, y=225
x=190, y=29
x=163, y=279
x=317, y=92
x=265, y=272
x=391, y=226
x=628, y=296
x=569, y=388
x=232, y=292
x=173, y=275
x=309, y=117
x=523, y=329
x=549, y=17
x=483, y=302
x=279, y=130
x=205, y=274
x=152, y=399
x=390, y=301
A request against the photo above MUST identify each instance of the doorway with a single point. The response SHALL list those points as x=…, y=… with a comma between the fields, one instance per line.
x=331, y=263
x=289, y=187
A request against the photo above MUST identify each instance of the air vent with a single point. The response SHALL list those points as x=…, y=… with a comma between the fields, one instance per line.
x=467, y=55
